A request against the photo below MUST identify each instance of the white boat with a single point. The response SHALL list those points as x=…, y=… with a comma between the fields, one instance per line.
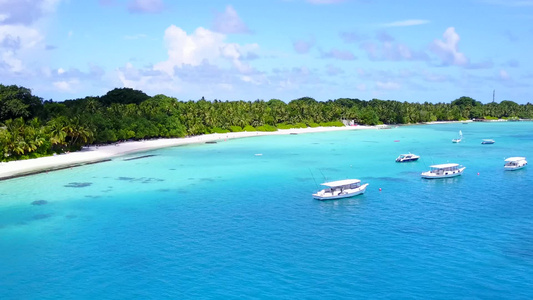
x=443, y=171
x=407, y=157
x=515, y=163
x=458, y=140
x=341, y=189
x=487, y=142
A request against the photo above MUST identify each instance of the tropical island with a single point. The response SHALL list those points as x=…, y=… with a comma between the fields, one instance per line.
x=31, y=127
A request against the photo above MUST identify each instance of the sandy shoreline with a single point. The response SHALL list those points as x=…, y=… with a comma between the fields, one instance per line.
x=90, y=155
x=94, y=154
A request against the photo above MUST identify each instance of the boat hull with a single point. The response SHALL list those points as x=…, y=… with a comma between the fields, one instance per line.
x=407, y=160
x=446, y=174
x=514, y=168
x=346, y=194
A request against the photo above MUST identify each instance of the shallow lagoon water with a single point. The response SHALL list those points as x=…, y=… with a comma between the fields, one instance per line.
x=217, y=221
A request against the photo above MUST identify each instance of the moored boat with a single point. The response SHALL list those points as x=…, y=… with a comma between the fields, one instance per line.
x=443, y=171
x=515, y=163
x=341, y=189
x=407, y=157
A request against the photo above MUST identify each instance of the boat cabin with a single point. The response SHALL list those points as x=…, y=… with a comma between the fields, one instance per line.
x=515, y=163
x=441, y=169
x=407, y=157
x=340, y=189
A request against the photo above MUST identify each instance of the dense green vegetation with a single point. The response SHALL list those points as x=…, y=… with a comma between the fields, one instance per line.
x=31, y=127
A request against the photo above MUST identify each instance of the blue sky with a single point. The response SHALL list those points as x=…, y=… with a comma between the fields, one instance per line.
x=412, y=50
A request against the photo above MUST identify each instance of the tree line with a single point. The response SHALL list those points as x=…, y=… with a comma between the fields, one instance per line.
x=31, y=127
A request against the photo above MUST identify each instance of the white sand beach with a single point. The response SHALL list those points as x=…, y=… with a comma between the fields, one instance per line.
x=95, y=154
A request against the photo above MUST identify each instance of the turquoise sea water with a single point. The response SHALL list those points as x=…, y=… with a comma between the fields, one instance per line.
x=215, y=221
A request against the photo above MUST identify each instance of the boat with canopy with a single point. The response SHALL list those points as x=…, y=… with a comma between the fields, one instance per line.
x=340, y=189
x=443, y=171
x=515, y=163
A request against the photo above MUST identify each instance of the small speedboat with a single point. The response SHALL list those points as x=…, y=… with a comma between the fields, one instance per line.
x=341, y=189
x=407, y=157
x=443, y=171
x=487, y=142
x=515, y=163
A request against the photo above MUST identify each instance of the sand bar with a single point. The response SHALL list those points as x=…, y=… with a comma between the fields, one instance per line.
x=94, y=154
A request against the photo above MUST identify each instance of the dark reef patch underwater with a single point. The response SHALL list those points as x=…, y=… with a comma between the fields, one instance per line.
x=39, y=202
x=78, y=184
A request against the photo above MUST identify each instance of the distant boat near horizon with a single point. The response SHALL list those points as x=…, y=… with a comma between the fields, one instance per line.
x=458, y=140
x=487, y=142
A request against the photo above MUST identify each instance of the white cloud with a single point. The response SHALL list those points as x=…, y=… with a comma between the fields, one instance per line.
x=412, y=22
x=28, y=37
x=68, y=86
x=201, y=46
x=195, y=81
x=234, y=52
x=13, y=64
x=339, y=54
x=387, y=85
x=302, y=47
x=351, y=37
x=21, y=35
x=192, y=49
x=392, y=51
x=229, y=22
x=25, y=12
x=17, y=44
x=333, y=70
x=504, y=75
x=447, y=49
x=147, y=81
x=250, y=79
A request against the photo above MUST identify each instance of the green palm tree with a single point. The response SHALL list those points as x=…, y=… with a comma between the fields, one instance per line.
x=57, y=131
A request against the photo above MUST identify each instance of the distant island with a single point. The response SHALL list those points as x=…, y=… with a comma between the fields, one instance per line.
x=31, y=127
